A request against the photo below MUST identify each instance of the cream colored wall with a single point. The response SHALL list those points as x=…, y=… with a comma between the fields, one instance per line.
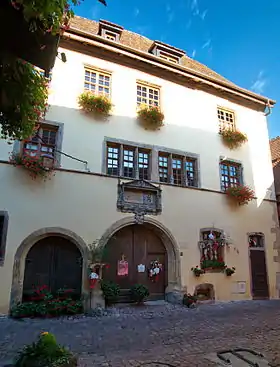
x=86, y=204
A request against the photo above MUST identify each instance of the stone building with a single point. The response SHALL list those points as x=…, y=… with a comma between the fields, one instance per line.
x=145, y=195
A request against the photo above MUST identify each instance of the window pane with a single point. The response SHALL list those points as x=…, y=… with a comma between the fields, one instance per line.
x=148, y=96
x=190, y=173
x=163, y=168
x=128, y=162
x=113, y=160
x=143, y=165
x=177, y=171
x=230, y=175
x=226, y=119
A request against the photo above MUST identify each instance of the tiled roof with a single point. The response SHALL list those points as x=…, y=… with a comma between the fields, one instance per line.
x=275, y=148
x=141, y=43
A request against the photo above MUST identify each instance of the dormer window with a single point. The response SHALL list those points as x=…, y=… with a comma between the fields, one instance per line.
x=109, y=30
x=167, y=52
x=166, y=56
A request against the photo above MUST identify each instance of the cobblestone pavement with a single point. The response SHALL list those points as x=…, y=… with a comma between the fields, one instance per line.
x=156, y=335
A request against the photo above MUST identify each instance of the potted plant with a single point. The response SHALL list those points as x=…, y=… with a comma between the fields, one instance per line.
x=240, y=194
x=213, y=265
x=45, y=352
x=111, y=292
x=189, y=300
x=150, y=117
x=94, y=103
x=33, y=165
x=233, y=139
x=197, y=271
x=138, y=293
x=229, y=271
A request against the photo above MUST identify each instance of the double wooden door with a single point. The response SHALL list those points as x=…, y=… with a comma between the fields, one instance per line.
x=55, y=262
x=259, y=274
x=137, y=245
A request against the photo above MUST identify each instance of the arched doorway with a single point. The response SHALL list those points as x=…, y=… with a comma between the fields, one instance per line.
x=138, y=245
x=53, y=261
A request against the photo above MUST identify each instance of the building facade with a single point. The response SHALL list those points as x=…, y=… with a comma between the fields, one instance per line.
x=275, y=155
x=144, y=195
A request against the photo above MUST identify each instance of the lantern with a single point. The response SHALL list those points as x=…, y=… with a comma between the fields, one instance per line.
x=48, y=161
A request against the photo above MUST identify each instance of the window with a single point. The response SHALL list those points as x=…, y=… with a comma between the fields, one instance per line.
x=110, y=35
x=230, y=174
x=43, y=142
x=176, y=169
x=3, y=234
x=166, y=56
x=128, y=161
x=226, y=119
x=211, y=245
x=147, y=95
x=256, y=240
x=97, y=82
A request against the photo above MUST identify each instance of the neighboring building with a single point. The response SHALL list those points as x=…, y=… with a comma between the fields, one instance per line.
x=275, y=155
x=45, y=226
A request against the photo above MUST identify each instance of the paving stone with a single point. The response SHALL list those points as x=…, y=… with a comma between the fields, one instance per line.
x=160, y=333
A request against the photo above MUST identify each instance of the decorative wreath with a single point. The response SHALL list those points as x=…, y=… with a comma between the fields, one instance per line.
x=155, y=270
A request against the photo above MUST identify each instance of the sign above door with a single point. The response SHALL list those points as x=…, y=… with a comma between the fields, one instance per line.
x=139, y=197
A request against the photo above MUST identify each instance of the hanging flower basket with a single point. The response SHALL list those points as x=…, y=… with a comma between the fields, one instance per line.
x=150, y=117
x=97, y=104
x=197, y=271
x=240, y=194
x=233, y=139
x=24, y=94
x=34, y=165
x=229, y=271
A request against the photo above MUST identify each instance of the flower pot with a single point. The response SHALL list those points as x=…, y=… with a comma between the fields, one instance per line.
x=38, y=48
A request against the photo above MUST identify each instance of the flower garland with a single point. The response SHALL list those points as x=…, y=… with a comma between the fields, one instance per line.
x=233, y=139
x=155, y=270
x=240, y=194
x=150, y=117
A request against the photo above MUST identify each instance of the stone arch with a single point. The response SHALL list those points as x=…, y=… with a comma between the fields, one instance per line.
x=169, y=241
x=25, y=246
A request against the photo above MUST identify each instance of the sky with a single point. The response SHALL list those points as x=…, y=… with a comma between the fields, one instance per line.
x=239, y=39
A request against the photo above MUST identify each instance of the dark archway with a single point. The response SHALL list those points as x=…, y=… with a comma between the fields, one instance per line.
x=54, y=262
x=138, y=245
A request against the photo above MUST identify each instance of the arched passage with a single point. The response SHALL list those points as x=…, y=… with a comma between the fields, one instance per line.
x=45, y=238
x=54, y=262
x=140, y=244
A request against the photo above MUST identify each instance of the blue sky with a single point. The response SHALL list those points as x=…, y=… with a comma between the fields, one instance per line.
x=239, y=39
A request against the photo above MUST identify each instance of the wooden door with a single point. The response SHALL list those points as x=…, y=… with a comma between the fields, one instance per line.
x=138, y=245
x=55, y=262
x=259, y=274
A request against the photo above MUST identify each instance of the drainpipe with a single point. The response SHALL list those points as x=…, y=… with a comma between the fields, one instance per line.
x=269, y=109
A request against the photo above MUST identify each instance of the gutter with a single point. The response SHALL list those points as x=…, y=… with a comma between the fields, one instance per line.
x=100, y=42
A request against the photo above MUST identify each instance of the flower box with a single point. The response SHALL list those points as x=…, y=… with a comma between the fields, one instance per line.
x=233, y=139
x=96, y=104
x=150, y=117
x=36, y=47
x=240, y=194
x=34, y=166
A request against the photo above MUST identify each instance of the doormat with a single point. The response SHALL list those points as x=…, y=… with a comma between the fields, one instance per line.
x=238, y=357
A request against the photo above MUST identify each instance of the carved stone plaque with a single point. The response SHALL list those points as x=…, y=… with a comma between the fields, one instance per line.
x=139, y=197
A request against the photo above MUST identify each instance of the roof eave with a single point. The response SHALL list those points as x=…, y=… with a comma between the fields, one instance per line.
x=261, y=99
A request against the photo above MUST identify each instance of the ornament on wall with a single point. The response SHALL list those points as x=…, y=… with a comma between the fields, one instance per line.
x=122, y=267
x=155, y=270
